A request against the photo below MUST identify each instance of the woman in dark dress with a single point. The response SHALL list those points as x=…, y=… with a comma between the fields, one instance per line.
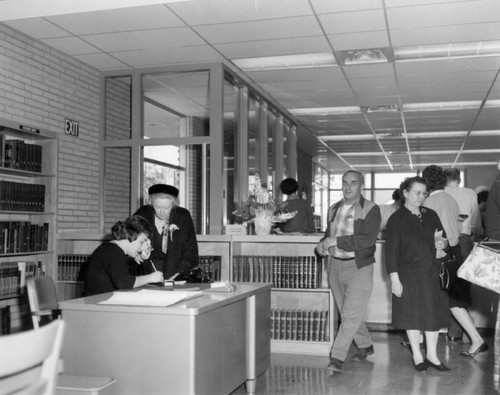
x=175, y=247
x=418, y=303
x=108, y=266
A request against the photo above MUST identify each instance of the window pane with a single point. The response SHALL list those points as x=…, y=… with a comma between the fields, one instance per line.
x=117, y=186
x=336, y=181
x=176, y=104
x=383, y=196
x=230, y=130
x=118, y=108
x=390, y=180
x=271, y=131
x=253, y=122
x=185, y=169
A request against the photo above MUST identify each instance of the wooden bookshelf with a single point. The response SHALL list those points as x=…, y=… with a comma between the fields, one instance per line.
x=28, y=186
x=303, y=318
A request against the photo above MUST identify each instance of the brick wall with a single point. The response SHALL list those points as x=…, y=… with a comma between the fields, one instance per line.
x=40, y=87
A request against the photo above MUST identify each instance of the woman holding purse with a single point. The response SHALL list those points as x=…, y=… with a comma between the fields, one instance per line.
x=418, y=302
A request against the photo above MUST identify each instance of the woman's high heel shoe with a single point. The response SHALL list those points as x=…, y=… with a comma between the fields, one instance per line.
x=420, y=367
x=483, y=347
x=441, y=367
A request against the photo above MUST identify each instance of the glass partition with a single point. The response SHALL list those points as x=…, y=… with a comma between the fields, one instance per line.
x=253, y=124
x=229, y=138
x=176, y=104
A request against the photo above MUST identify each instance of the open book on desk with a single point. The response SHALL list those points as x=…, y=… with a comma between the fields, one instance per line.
x=153, y=298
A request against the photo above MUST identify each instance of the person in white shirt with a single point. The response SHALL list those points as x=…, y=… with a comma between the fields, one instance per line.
x=449, y=213
x=470, y=216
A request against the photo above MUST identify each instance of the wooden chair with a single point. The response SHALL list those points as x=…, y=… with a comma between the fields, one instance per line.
x=43, y=300
x=29, y=360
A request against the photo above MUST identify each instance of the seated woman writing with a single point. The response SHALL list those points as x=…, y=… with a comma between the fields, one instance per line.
x=108, y=266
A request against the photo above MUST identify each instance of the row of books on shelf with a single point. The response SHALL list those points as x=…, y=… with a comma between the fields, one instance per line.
x=13, y=275
x=69, y=266
x=23, y=236
x=18, y=196
x=15, y=314
x=211, y=265
x=17, y=154
x=282, y=271
x=299, y=325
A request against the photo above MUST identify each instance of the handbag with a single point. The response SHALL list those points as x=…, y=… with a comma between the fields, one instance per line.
x=447, y=271
x=482, y=267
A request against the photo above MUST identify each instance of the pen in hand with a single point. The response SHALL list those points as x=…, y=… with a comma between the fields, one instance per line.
x=154, y=267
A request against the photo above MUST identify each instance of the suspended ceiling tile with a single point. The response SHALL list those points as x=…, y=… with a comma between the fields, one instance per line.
x=260, y=30
x=445, y=34
x=359, y=40
x=71, y=45
x=488, y=119
x=118, y=20
x=349, y=22
x=223, y=11
x=331, y=74
x=482, y=158
x=482, y=142
x=254, y=49
x=305, y=86
x=369, y=71
x=37, y=28
x=447, y=14
x=328, y=6
x=102, y=61
x=145, y=39
x=194, y=54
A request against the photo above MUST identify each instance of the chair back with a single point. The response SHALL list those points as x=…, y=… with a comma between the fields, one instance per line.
x=29, y=360
x=42, y=298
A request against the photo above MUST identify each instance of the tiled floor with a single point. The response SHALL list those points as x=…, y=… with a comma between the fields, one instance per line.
x=388, y=372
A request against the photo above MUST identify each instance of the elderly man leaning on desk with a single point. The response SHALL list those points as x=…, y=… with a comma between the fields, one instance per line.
x=349, y=243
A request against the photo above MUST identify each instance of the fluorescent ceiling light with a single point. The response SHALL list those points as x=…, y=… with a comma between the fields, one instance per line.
x=358, y=137
x=448, y=51
x=310, y=60
x=409, y=107
x=326, y=110
x=423, y=165
x=421, y=153
x=439, y=106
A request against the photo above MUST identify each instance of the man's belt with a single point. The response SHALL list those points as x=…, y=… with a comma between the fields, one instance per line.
x=343, y=259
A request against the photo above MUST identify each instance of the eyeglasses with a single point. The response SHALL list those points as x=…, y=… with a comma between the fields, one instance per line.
x=420, y=193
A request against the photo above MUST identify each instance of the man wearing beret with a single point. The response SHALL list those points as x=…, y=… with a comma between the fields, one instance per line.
x=175, y=248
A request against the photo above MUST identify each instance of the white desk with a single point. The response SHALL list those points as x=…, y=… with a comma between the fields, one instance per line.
x=208, y=345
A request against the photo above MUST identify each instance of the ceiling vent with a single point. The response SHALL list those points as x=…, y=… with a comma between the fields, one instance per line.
x=365, y=56
x=384, y=108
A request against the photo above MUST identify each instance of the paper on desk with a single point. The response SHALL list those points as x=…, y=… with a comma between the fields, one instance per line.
x=146, y=297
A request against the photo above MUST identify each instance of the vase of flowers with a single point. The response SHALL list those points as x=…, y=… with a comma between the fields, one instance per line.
x=261, y=209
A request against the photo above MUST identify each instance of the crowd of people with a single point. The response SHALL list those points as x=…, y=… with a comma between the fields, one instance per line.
x=430, y=219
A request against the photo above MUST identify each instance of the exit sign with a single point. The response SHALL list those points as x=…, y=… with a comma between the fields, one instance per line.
x=71, y=127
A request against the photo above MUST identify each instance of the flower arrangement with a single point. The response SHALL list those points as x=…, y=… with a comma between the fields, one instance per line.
x=262, y=205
